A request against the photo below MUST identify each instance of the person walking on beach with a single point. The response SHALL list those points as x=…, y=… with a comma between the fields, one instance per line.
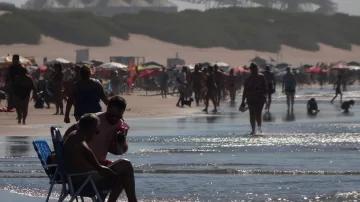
x=86, y=93
x=13, y=71
x=255, y=91
x=211, y=89
x=271, y=85
x=164, y=79
x=288, y=87
x=196, y=79
x=22, y=87
x=182, y=85
x=337, y=88
x=231, y=86
x=81, y=159
x=57, y=84
x=219, y=80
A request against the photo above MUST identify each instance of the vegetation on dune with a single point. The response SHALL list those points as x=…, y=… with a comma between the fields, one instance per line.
x=234, y=28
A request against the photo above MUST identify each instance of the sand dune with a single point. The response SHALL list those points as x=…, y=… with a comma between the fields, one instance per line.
x=156, y=50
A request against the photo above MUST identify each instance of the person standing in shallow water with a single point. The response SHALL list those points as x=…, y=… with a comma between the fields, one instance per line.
x=289, y=87
x=271, y=86
x=196, y=79
x=337, y=87
x=254, y=93
x=231, y=85
x=86, y=93
x=57, y=84
x=211, y=89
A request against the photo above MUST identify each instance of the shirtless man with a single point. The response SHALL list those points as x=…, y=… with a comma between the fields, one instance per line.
x=111, y=123
x=196, y=77
x=211, y=89
x=271, y=85
x=219, y=80
x=337, y=87
x=288, y=87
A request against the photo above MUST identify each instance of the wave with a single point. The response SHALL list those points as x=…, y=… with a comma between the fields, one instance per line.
x=200, y=171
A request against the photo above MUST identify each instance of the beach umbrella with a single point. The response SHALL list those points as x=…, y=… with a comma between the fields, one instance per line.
x=57, y=60
x=316, y=70
x=354, y=67
x=341, y=65
x=113, y=65
x=97, y=62
x=353, y=63
x=148, y=72
x=240, y=70
x=152, y=64
x=147, y=67
x=8, y=60
x=220, y=64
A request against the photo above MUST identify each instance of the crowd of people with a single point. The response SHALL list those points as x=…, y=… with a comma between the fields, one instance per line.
x=97, y=133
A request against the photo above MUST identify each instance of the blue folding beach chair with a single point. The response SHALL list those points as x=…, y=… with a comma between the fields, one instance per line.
x=60, y=176
x=43, y=151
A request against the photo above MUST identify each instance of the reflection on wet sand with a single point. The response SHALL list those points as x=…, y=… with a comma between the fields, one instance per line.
x=268, y=117
x=17, y=146
x=289, y=117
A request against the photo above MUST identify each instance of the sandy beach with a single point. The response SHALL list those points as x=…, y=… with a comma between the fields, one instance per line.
x=139, y=107
x=159, y=51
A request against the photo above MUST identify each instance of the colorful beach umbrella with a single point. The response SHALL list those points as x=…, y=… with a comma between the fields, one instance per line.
x=8, y=60
x=113, y=65
x=316, y=70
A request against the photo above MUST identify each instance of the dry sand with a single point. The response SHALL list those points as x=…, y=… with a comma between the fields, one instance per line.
x=155, y=50
x=139, y=107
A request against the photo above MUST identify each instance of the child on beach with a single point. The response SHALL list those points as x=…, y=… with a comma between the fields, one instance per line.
x=347, y=105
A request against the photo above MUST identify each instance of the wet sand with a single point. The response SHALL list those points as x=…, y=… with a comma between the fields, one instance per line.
x=139, y=107
x=156, y=50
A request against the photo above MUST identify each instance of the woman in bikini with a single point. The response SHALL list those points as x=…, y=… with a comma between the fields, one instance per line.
x=254, y=93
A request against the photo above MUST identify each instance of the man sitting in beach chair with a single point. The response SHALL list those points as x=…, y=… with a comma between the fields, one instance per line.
x=111, y=125
x=81, y=159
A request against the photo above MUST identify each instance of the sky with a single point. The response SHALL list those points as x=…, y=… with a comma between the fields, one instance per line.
x=351, y=7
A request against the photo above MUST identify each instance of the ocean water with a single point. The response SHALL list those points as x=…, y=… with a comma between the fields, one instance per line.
x=212, y=158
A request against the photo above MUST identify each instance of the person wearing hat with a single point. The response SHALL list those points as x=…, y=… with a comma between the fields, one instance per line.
x=289, y=87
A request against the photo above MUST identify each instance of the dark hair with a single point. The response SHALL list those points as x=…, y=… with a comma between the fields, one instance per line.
x=88, y=120
x=210, y=68
x=118, y=102
x=253, y=65
x=231, y=71
x=85, y=72
x=58, y=66
x=16, y=56
x=216, y=67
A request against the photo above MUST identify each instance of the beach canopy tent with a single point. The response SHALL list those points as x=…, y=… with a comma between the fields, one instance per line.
x=8, y=60
x=57, y=60
x=353, y=63
x=96, y=62
x=113, y=66
x=259, y=61
x=316, y=70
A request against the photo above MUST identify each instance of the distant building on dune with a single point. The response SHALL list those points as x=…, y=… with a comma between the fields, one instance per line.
x=102, y=7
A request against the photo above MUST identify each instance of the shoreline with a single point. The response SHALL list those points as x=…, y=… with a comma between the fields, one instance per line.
x=139, y=107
